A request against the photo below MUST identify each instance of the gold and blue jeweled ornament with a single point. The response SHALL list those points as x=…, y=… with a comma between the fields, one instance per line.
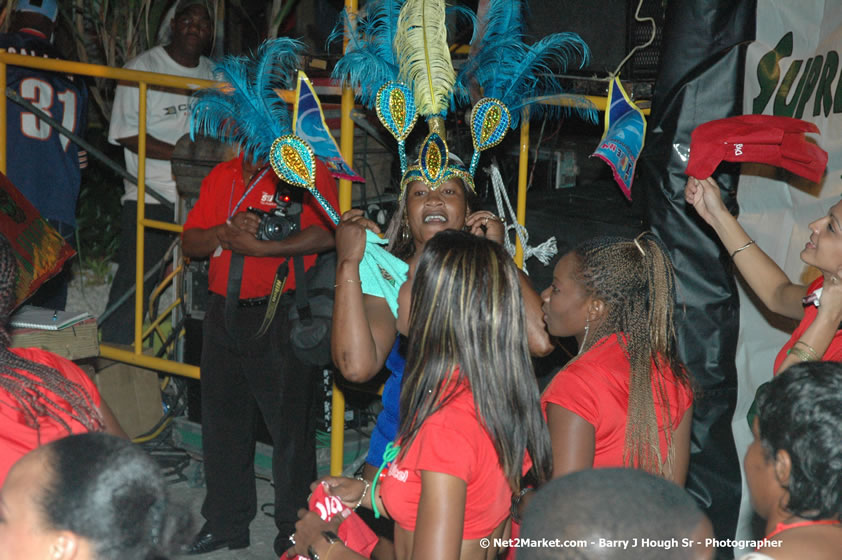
x=395, y=106
x=490, y=121
x=294, y=162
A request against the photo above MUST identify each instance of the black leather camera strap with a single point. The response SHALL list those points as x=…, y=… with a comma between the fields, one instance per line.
x=232, y=295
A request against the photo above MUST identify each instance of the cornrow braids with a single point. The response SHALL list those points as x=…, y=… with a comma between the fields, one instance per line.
x=28, y=383
x=635, y=280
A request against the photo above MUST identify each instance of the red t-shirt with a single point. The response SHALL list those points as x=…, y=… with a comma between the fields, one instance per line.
x=221, y=190
x=451, y=441
x=596, y=387
x=834, y=350
x=16, y=438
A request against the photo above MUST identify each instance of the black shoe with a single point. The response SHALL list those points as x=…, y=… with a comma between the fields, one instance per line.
x=206, y=541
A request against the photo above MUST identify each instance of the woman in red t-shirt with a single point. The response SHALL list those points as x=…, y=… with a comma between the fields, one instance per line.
x=818, y=336
x=43, y=397
x=469, y=411
x=625, y=400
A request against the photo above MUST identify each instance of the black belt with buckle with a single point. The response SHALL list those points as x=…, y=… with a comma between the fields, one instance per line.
x=253, y=302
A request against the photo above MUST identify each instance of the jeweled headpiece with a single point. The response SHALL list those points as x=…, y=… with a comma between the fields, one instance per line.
x=398, y=60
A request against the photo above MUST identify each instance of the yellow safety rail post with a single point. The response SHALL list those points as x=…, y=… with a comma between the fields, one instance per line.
x=346, y=141
x=141, y=214
x=523, y=167
x=144, y=80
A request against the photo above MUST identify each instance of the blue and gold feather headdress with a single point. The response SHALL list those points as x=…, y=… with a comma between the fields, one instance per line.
x=249, y=111
x=398, y=60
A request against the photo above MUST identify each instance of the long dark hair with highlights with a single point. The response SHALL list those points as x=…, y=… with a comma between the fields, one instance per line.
x=635, y=281
x=467, y=313
x=29, y=383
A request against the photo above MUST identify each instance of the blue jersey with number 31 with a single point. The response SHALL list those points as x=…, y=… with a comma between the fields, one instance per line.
x=43, y=164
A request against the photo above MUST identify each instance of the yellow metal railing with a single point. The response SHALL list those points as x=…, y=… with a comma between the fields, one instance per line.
x=144, y=80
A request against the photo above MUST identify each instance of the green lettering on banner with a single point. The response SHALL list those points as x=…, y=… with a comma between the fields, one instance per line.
x=769, y=72
x=824, y=99
x=809, y=84
x=781, y=106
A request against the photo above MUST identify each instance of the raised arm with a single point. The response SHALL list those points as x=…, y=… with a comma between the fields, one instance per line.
x=763, y=275
x=363, y=326
x=487, y=224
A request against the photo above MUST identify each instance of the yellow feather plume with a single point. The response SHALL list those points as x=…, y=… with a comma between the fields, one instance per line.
x=423, y=54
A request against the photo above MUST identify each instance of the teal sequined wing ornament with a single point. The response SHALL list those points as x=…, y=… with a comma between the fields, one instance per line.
x=294, y=162
x=490, y=121
x=395, y=107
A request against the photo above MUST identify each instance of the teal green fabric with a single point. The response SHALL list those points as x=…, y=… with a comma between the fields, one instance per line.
x=381, y=273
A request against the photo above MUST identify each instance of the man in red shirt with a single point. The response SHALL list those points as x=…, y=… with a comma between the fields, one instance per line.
x=242, y=373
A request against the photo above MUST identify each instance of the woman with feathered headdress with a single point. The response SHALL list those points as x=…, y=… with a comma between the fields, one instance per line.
x=402, y=70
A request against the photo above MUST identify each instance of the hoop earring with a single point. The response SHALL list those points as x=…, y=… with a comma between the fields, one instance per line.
x=584, y=338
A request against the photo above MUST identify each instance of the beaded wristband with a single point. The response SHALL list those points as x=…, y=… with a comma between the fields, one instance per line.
x=516, y=503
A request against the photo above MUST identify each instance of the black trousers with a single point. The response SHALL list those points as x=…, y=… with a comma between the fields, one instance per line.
x=118, y=327
x=241, y=375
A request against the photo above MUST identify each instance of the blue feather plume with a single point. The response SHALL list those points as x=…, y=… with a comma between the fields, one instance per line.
x=369, y=61
x=497, y=37
x=248, y=110
x=508, y=69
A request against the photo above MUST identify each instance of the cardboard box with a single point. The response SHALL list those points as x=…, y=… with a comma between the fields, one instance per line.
x=132, y=393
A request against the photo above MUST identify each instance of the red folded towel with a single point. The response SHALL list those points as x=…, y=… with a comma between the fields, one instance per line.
x=768, y=139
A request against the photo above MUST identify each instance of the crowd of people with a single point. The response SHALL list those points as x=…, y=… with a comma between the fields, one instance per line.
x=467, y=457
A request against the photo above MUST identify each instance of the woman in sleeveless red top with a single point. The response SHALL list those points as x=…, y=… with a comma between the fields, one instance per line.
x=625, y=400
x=470, y=413
x=818, y=336
x=794, y=465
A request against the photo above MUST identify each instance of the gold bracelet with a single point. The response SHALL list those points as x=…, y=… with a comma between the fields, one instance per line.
x=743, y=248
x=809, y=349
x=334, y=543
x=802, y=355
x=346, y=282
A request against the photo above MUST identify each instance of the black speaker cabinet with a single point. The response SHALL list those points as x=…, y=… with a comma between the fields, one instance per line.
x=609, y=29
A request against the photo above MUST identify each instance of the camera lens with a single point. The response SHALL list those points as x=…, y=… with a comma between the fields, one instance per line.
x=276, y=228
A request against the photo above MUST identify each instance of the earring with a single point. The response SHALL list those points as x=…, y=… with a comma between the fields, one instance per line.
x=405, y=234
x=585, y=338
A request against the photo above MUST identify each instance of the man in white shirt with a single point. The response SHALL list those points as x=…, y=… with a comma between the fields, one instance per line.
x=167, y=120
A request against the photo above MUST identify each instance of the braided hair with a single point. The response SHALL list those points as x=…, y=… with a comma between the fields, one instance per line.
x=29, y=383
x=635, y=280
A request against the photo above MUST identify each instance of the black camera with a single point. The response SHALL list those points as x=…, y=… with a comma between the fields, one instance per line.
x=277, y=224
